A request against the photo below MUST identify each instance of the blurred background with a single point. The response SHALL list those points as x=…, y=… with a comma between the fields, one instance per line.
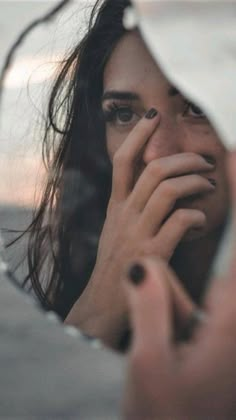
x=24, y=102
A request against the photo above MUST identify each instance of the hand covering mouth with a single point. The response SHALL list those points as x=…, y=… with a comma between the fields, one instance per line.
x=188, y=201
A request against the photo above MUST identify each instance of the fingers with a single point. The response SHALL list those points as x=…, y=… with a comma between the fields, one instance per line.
x=183, y=305
x=152, y=361
x=160, y=169
x=126, y=156
x=175, y=228
x=149, y=302
x=165, y=196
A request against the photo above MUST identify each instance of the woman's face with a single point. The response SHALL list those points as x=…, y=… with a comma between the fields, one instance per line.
x=182, y=126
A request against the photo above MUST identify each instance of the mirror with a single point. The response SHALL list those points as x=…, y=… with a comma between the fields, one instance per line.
x=103, y=135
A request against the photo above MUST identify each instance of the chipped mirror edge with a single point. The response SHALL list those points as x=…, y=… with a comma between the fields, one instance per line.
x=5, y=269
x=51, y=316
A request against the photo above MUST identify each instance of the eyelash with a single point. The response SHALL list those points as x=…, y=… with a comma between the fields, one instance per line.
x=189, y=104
x=111, y=114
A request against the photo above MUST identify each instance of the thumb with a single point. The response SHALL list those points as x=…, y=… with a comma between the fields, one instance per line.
x=149, y=301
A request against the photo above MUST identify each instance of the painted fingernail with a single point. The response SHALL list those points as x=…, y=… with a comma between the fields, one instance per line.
x=152, y=113
x=209, y=159
x=212, y=182
x=136, y=274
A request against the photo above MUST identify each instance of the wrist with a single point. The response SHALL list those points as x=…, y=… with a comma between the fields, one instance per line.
x=103, y=325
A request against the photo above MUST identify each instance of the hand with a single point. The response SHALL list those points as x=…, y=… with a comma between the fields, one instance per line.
x=196, y=380
x=141, y=220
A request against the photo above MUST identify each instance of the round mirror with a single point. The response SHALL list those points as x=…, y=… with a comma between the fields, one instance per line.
x=129, y=122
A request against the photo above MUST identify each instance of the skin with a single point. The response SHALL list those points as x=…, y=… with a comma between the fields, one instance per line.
x=195, y=380
x=166, y=200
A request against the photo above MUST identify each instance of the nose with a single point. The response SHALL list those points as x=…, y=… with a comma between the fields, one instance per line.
x=166, y=140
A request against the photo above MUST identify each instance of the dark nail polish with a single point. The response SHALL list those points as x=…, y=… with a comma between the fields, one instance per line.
x=152, y=113
x=136, y=274
x=212, y=182
x=209, y=159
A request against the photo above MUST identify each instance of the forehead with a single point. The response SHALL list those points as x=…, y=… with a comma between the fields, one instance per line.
x=131, y=65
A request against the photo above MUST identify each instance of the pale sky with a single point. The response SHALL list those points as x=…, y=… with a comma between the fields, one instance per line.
x=26, y=89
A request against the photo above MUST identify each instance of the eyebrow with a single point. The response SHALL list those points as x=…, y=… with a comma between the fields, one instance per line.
x=120, y=95
x=131, y=96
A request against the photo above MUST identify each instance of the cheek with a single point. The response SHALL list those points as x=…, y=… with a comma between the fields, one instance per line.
x=204, y=140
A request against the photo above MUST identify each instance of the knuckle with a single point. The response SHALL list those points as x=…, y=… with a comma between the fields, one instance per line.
x=168, y=187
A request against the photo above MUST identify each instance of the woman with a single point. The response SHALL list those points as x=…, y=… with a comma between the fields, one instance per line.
x=131, y=159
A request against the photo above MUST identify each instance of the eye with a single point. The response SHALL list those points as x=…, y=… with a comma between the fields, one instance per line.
x=121, y=115
x=124, y=115
x=192, y=110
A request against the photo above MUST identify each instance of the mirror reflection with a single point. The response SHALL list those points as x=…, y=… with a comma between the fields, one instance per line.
x=133, y=168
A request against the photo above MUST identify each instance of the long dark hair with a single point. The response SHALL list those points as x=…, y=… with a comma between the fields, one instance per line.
x=66, y=226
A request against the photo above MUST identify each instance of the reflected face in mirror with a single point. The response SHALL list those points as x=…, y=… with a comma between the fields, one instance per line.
x=133, y=83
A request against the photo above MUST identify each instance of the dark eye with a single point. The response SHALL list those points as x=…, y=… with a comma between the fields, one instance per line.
x=193, y=110
x=124, y=115
x=120, y=115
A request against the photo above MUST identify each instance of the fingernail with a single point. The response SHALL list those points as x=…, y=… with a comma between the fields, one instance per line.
x=136, y=274
x=209, y=159
x=212, y=182
x=152, y=113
